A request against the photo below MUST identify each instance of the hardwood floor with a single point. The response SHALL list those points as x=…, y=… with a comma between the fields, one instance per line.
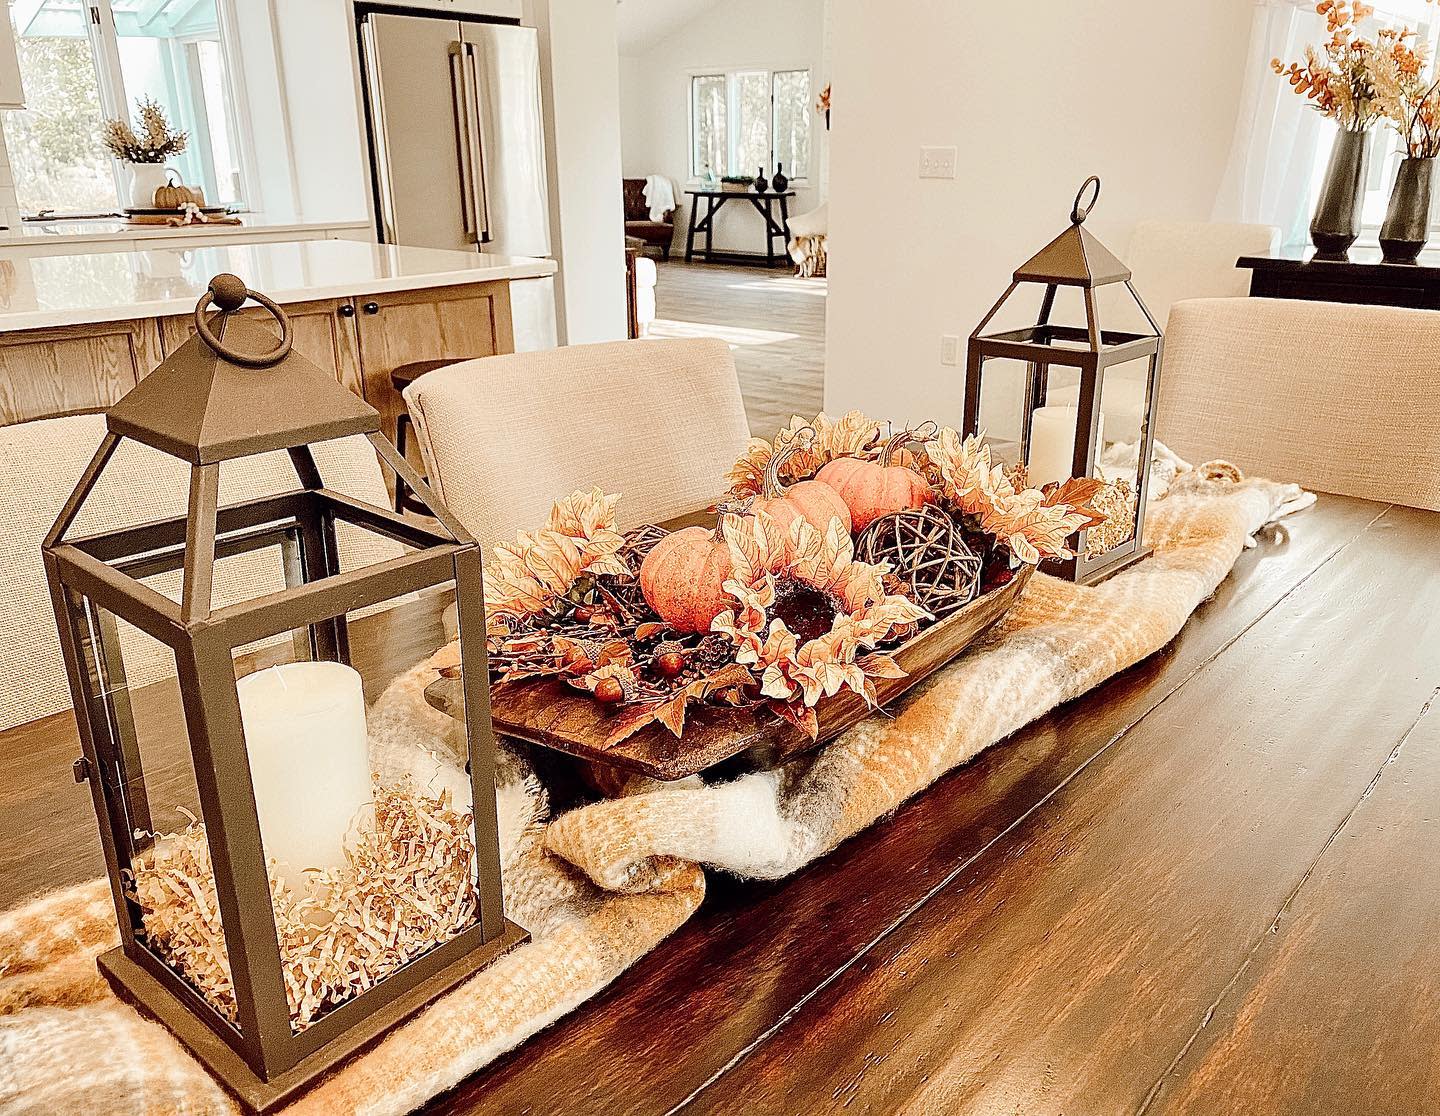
x=773, y=323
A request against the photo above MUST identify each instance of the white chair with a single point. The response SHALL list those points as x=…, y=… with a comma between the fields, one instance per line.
x=646, y=278
x=659, y=422
x=40, y=463
x=1176, y=260
x=1338, y=398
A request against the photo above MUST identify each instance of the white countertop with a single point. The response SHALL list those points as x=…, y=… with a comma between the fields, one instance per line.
x=46, y=291
x=91, y=230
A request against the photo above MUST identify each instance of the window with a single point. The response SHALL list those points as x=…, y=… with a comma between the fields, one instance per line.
x=746, y=120
x=83, y=62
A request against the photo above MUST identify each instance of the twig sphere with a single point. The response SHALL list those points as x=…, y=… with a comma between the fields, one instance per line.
x=926, y=549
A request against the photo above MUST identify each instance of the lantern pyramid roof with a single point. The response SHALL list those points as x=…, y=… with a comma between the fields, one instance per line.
x=200, y=407
x=1075, y=258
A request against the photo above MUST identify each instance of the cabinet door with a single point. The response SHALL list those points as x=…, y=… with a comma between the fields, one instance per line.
x=438, y=324
x=323, y=335
x=48, y=372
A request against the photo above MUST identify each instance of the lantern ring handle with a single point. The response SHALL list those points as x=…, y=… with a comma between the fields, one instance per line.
x=235, y=356
x=1080, y=212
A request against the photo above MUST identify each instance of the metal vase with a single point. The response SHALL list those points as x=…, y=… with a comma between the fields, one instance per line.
x=1336, y=223
x=1407, y=222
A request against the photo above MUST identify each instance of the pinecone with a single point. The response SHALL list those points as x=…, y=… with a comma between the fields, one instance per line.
x=714, y=651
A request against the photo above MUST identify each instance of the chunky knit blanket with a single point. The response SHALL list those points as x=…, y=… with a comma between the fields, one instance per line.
x=600, y=886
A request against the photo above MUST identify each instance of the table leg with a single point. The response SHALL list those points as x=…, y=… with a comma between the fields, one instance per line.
x=769, y=234
x=710, y=212
x=690, y=233
x=785, y=221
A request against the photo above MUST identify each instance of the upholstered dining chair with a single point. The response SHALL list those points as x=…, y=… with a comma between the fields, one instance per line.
x=1176, y=260
x=40, y=463
x=659, y=422
x=1338, y=398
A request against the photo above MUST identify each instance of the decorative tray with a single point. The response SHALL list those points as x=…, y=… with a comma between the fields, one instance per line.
x=176, y=211
x=551, y=714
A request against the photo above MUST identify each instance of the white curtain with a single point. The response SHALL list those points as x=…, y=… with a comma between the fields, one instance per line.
x=1268, y=178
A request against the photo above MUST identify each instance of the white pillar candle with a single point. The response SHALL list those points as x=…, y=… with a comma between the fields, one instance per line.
x=309, y=762
x=1052, y=444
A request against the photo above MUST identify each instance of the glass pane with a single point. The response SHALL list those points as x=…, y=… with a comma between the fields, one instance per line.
x=54, y=143
x=752, y=136
x=792, y=122
x=170, y=51
x=708, y=125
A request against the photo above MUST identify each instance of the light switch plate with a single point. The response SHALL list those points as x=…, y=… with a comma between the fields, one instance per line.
x=949, y=349
x=938, y=162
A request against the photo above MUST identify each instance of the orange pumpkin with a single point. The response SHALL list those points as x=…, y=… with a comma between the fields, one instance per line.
x=683, y=579
x=872, y=489
x=811, y=500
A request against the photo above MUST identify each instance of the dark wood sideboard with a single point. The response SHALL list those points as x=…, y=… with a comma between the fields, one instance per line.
x=1363, y=277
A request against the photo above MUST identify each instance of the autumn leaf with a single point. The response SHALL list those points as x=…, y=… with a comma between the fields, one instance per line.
x=671, y=711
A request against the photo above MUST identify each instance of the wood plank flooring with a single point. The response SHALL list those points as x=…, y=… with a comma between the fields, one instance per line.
x=773, y=323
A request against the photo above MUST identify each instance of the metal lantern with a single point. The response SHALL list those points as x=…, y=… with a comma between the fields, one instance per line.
x=230, y=392
x=1076, y=259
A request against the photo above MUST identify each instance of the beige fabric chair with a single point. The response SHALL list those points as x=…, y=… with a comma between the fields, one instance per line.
x=1338, y=398
x=40, y=463
x=503, y=437
x=1176, y=260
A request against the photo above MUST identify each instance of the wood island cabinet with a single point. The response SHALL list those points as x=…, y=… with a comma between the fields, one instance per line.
x=359, y=340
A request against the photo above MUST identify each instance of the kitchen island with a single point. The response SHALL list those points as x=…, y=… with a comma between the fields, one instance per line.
x=78, y=331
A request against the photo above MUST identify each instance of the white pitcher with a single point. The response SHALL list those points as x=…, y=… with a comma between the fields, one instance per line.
x=145, y=179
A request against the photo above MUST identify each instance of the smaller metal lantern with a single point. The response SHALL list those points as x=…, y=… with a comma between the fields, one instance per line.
x=233, y=391
x=1077, y=259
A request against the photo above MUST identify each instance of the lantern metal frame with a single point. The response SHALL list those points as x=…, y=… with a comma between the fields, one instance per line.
x=264, y=1061
x=1075, y=259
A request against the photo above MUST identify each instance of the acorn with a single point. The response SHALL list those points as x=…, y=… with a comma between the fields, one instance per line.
x=584, y=614
x=670, y=659
x=610, y=690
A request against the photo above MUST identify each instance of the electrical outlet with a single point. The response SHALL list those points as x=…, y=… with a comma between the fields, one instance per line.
x=949, y=349
x=938, y=162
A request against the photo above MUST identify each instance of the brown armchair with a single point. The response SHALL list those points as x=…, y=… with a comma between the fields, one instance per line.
x=655, y=234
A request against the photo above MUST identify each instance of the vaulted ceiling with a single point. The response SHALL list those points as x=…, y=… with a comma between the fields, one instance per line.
x=640, y=24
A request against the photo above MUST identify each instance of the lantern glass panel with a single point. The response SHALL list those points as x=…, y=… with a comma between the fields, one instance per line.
x=1002, y=407
x=137, y=716
x=367, y=828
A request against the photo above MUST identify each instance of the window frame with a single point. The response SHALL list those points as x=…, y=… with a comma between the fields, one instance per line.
x=115, y=102
x=732, y=116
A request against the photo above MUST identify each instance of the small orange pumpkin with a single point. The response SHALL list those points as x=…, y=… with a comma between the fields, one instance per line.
x=811, y=500
x=872, y=489
x=683, y=578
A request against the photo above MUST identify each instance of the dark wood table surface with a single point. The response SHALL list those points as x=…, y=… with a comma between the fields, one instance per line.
x=1207, y=886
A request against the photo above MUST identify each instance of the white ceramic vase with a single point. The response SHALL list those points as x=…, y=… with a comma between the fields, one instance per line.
x=145, y=179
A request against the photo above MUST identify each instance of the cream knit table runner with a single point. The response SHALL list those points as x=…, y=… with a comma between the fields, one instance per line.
x=600, y=886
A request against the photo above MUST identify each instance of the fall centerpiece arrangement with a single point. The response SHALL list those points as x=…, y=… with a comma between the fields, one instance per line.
x=143, y=148
x=837, y=543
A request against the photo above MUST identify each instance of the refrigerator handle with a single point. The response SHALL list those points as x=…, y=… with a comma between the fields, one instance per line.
x=479, y=181
x=380, y=147
x=464, y=133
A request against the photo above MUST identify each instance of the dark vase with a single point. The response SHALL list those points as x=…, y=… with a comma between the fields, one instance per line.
x=761, y=182
x=1407, y=223
x=1336, y=223
x=780, y=182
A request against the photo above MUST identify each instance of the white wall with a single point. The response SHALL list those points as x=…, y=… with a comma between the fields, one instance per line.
x=655, y=86
x=1036, y=95
x=579, y=69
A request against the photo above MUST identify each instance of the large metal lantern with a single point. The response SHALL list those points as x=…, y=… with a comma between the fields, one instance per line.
x=266, y=743
x=1058, y=441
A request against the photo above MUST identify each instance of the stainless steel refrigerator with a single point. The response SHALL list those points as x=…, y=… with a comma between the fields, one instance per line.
x=457, y=145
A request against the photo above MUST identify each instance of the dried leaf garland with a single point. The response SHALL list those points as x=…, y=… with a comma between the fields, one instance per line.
x=408, y=886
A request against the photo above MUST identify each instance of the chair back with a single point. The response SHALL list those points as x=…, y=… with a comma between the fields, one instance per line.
x=634, y=193
x=1336, y=397
x=1176, y=260
x=659, y=422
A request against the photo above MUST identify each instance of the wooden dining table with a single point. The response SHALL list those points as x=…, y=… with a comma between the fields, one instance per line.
x=1207, y=886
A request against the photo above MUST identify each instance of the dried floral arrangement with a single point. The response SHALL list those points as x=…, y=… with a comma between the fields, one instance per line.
x=837, y=541
x=408, y=886
x=152, y=140
x=1339, y=75
x=1408, y=91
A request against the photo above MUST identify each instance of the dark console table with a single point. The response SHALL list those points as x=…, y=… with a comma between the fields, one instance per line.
x=764, y=205
x=1363, y=277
